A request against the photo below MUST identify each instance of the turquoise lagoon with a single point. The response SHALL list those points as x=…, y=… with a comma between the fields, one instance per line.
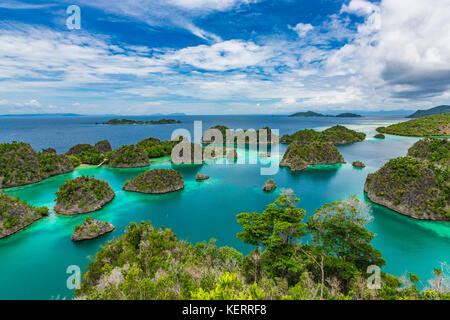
x=33, y=262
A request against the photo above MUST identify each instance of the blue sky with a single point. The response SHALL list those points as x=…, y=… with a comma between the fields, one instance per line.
x=223, y=56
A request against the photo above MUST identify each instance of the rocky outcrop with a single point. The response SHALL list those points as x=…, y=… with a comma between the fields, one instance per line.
x=82, y=195
x=358, y=164
x=269, y=186
x=91, y=229
x=85, y=154
x=103, y=146
x=299, y=156
x=156, y=181
x=379, y=136
x=20, y=165
x=48, y=150
x=432, y=150
x=129, y=157
x=201, y=177
x=16, y=215
x=411, y=187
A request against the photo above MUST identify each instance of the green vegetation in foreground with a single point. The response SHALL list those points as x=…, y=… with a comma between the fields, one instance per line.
x=20, y=165
x=295, y=258
x=336, y=135
x=16, y=215
x=417, y=185
x=126, y=121
x=435, y=125
x=81, y=195
x=156, y=181
x=299, y=156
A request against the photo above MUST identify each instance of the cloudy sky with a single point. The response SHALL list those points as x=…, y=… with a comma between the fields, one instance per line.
x=223, y=56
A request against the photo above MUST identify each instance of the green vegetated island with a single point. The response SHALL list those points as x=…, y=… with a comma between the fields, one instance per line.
x=156, y=181
x=295, y=257
x=220, y=134
x=128, y=121
x=91, y=229
x=417, y=185
x=310, y=147
x=82, y=195
x=308, y=114
x=434, y=125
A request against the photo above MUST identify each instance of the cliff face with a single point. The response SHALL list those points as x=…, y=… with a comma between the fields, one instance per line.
x=21, y=165
x=129, y=157
x=16, y=215
x=91, y=229
x=298, y=156
x=411, y=187
x=156, y=181
x=103, y=146
x=82, y=195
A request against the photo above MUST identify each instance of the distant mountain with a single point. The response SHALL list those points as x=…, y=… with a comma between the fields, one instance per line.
x=308, y=114
x=430, y=112
x=42, y=115
x=348, y=115
x=316, y=114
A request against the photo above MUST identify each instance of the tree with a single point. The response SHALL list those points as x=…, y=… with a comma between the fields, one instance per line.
x=277, y=230
x=339, y=230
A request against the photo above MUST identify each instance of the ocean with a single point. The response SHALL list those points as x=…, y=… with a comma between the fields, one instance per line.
x=34, y=262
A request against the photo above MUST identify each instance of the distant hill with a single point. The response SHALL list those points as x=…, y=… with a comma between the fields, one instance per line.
x=348, y=115
x=43, y=115
x=308, y=114
x=316, y=114
x=430, y=112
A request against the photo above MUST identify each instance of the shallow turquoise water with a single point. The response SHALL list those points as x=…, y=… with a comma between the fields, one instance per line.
x=33, y=262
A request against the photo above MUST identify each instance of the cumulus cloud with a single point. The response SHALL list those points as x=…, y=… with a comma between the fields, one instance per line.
x=302, y=28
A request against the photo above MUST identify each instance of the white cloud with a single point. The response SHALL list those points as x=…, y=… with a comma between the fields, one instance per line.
x=209, y=4
x=302, y=29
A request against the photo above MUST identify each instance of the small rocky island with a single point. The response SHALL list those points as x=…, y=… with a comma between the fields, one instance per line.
x=91, y=229
x=129, y=156
x=156, y=181
x=21, y=165
x=16, y=215
x=417, y=185
x=299, y=156
x=336, y=135
x=201, y=177
x=269, y=186
x=358, y=164
x=82, y=195
x=127, y=121
x=379, y=136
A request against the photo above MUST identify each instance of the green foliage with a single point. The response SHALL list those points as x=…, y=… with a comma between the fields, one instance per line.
x=83, y=191
x=156, y=148
x=128, y=156
x=148, y=263
x=435, y=125
x=336, y=135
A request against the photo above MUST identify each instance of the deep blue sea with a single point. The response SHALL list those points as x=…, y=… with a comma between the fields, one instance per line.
x=33, y=262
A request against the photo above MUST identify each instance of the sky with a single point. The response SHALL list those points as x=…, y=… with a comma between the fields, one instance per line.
x=137, y=57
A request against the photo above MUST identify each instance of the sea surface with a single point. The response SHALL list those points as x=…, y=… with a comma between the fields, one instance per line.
x=34, y=262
